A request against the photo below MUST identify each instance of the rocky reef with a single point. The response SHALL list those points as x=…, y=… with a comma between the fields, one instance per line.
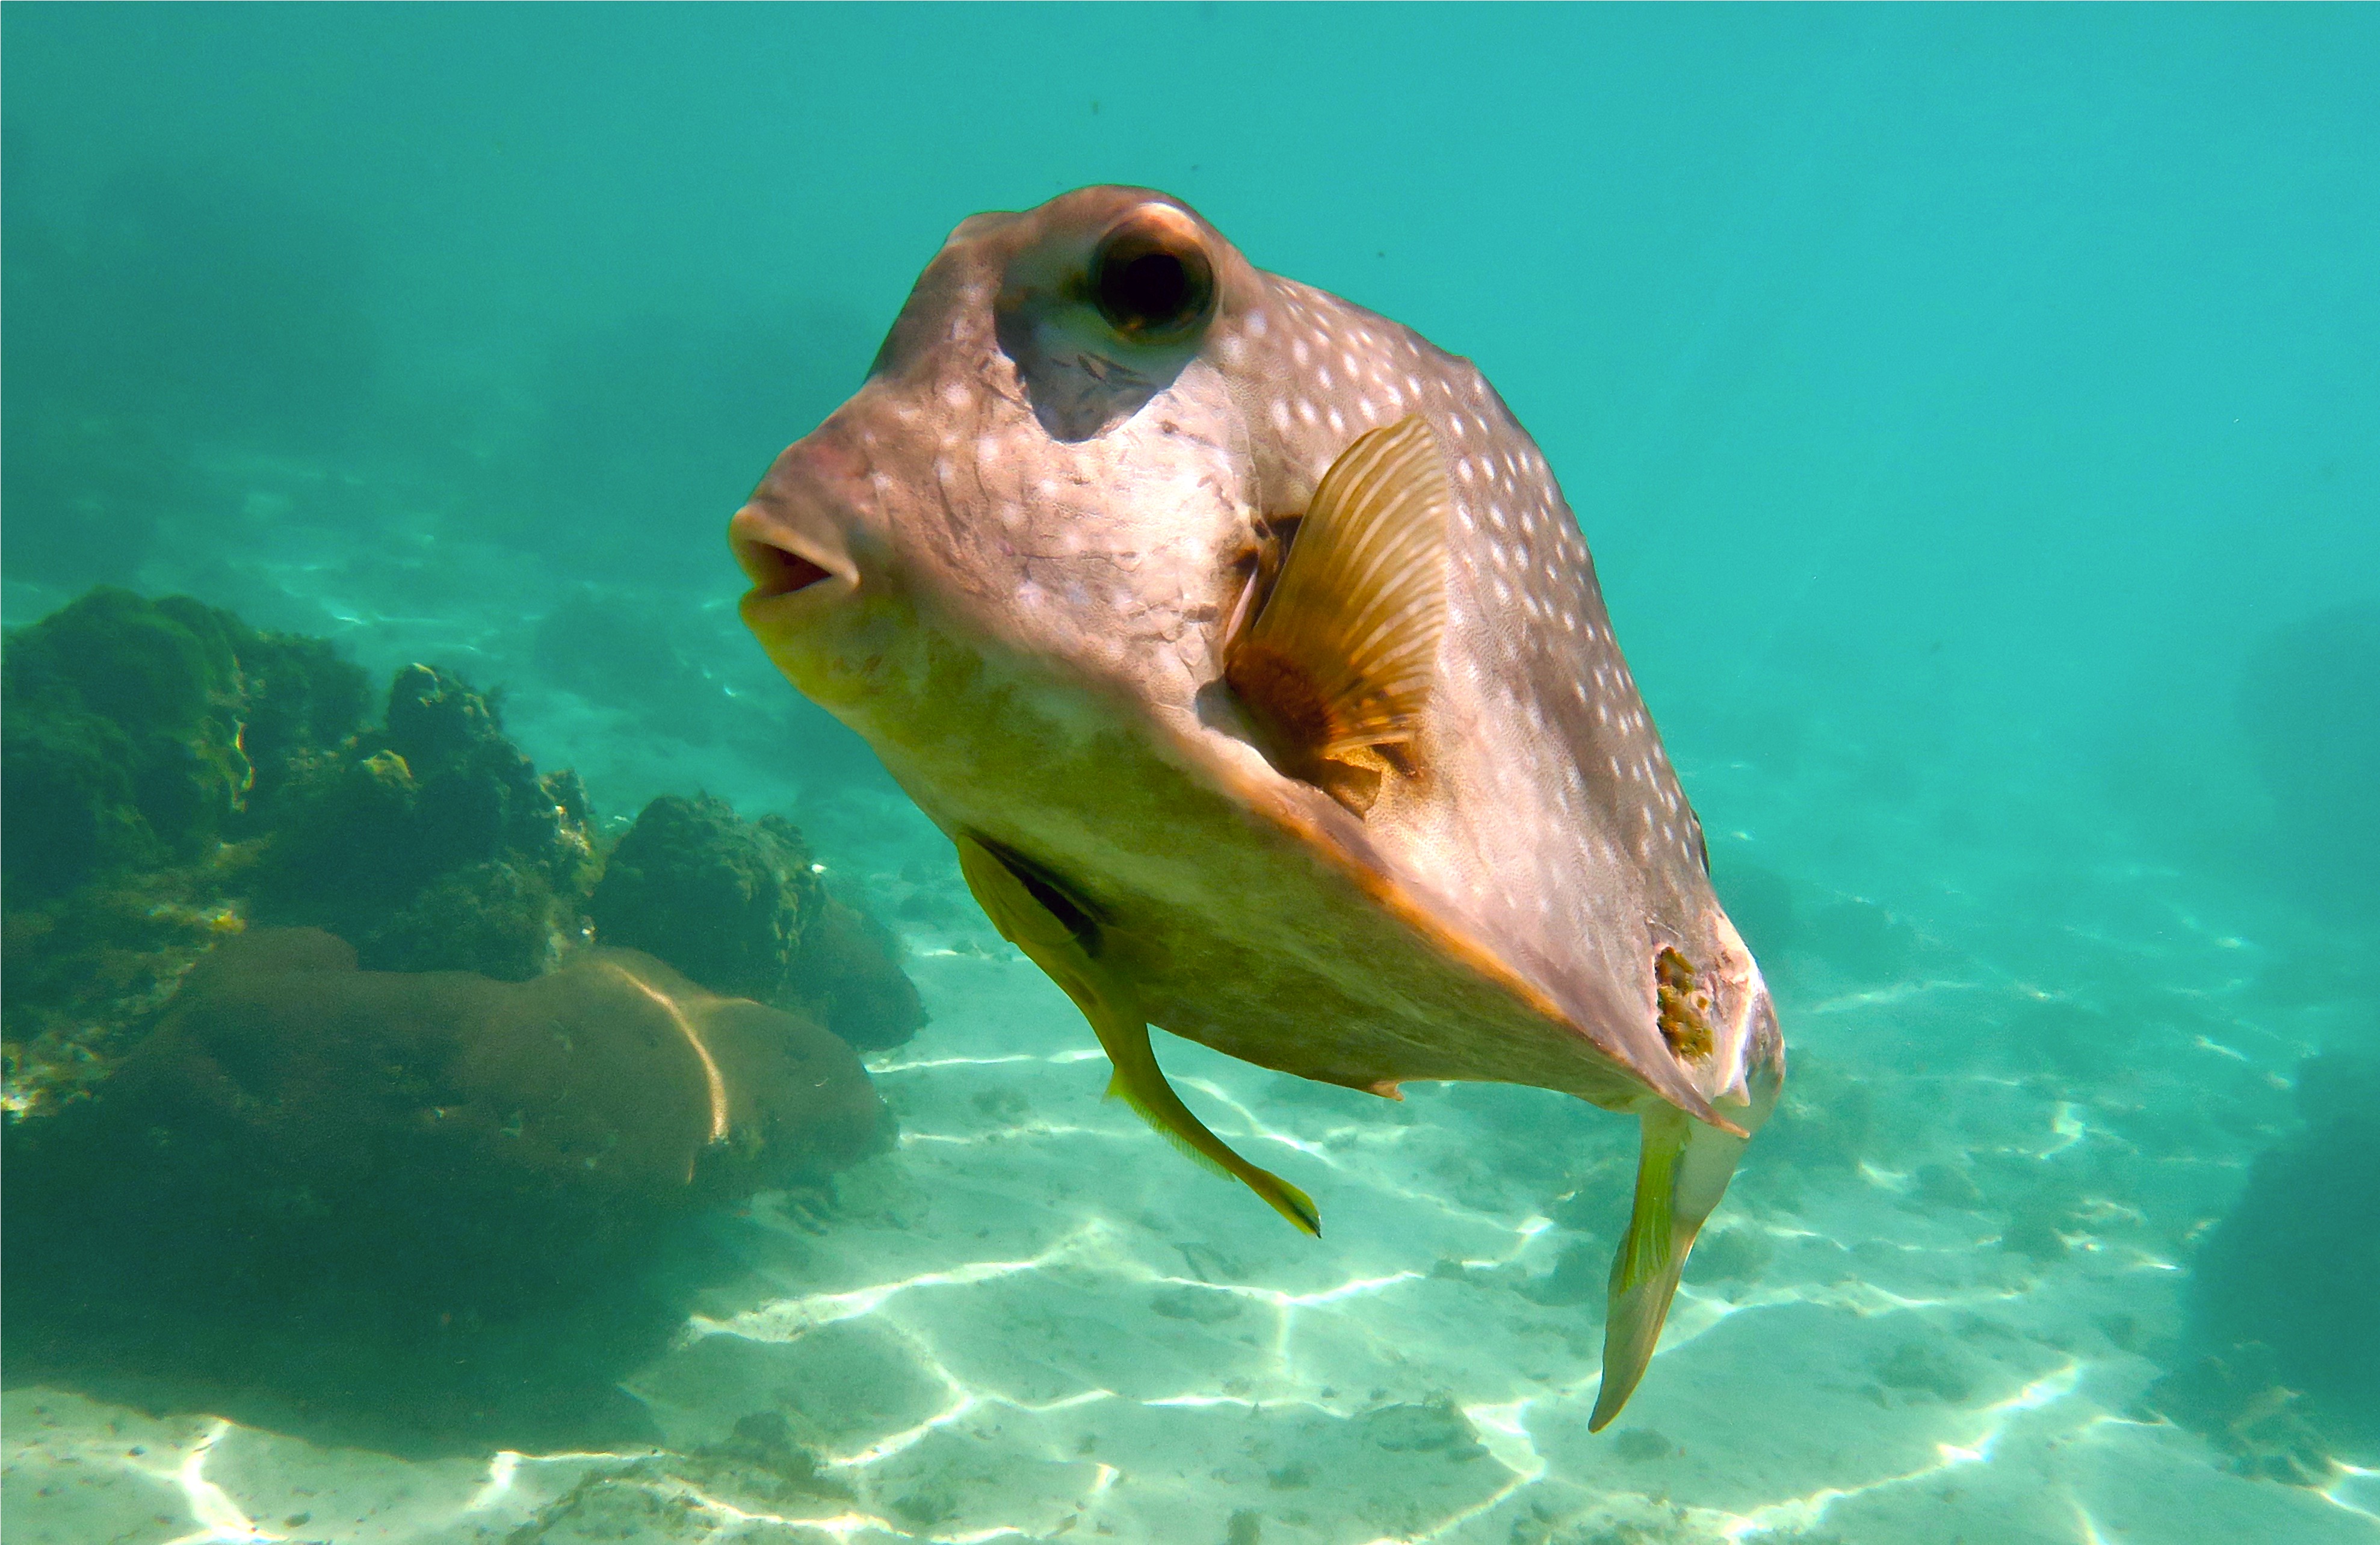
x=350, y=1079
x=2284, y=1348
x=173, y=776
x=146, y=744
x=432, y=844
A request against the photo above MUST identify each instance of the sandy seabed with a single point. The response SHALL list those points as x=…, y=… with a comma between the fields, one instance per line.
x=1034, y=1320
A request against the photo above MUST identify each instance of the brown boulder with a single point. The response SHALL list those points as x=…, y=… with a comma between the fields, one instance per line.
x=419, y=1210
x=615, y=1075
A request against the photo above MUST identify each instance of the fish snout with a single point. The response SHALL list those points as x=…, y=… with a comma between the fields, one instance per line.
x=792, y=538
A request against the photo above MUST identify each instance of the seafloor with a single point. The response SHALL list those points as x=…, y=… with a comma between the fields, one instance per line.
x=2031, y=1069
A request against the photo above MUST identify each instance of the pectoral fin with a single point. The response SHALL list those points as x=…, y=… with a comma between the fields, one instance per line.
x=1682, y=1168
x=1025, y=911
x=1339, y=660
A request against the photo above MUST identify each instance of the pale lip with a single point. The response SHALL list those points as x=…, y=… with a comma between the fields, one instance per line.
x=788, y=566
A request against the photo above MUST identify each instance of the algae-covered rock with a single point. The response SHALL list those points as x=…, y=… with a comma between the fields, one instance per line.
x=432, y=844
x=739, y=907
x=2282, y=1291
x=726, y=901
x=849, y=976
x=301, y=696
x=164, y=673
x=173, y=773
x=138, y=733
x=344, y=850
x=144, y=743
x=71, y=809
x=479, y=797
x=2237, y=1400
x=503, y=919
x=437, y=1185
x=85, y=972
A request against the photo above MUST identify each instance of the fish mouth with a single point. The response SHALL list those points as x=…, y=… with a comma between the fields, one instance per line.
x=786, y=563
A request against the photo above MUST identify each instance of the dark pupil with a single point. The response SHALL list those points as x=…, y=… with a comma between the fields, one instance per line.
x=1149, y=290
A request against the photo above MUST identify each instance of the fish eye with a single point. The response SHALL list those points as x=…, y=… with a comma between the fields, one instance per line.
x=1150, y=278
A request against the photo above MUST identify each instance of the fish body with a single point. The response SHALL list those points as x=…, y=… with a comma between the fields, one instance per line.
x=1244, y=645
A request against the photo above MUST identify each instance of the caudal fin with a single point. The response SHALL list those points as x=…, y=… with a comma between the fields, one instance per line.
x=1682, y=1168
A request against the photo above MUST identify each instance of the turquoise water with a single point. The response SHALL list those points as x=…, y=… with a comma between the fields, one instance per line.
x=1975, y=420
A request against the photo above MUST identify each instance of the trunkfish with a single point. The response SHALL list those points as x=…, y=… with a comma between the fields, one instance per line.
x=1244, y=644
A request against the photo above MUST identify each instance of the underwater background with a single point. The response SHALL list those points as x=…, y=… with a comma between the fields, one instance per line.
x=1975, y=415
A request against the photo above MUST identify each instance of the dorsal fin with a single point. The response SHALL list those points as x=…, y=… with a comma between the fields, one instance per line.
x=1341, y=656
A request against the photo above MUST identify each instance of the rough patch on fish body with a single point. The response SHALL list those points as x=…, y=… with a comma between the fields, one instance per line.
x=1092, y=573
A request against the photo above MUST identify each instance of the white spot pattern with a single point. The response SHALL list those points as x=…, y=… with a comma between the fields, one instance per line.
x=1553, y=771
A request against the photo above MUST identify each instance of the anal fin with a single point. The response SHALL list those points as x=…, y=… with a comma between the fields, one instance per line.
x=1065, y=953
